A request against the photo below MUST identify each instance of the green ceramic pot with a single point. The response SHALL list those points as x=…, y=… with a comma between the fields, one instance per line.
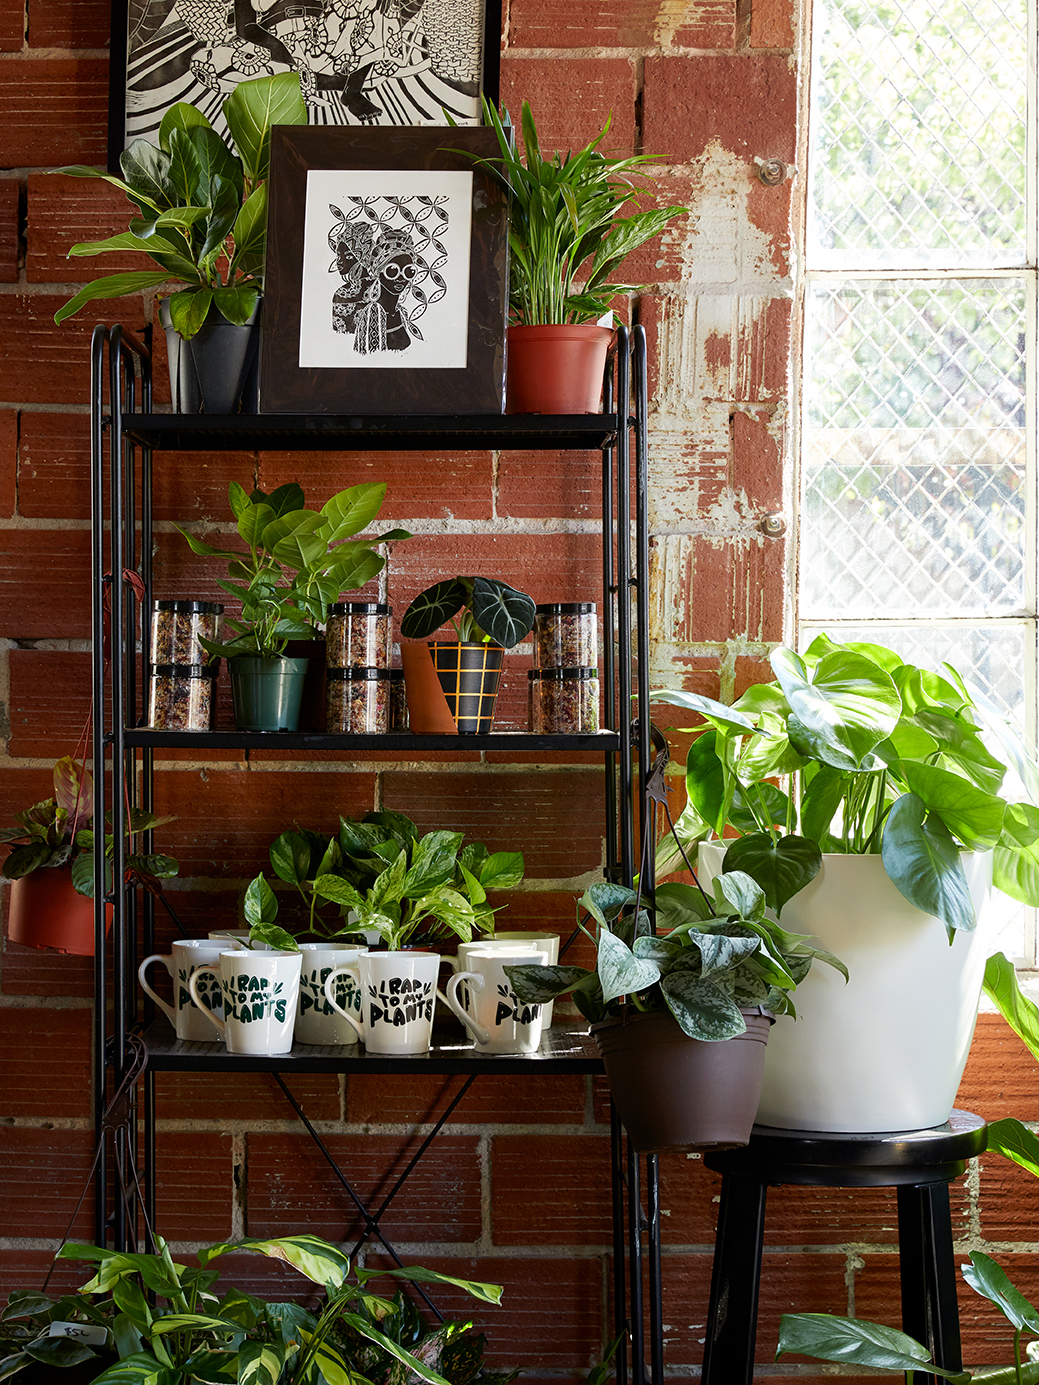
x=266, y=692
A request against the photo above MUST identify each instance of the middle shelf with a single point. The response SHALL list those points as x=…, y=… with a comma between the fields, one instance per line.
x=505, y=741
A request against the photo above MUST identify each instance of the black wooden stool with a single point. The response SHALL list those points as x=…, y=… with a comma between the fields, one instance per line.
x=920, y=1164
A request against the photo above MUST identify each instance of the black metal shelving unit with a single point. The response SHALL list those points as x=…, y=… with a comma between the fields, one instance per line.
x=125, y=435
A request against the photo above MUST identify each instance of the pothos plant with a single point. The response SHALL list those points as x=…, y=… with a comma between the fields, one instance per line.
x=878, y=757
x=711, y=957
x=202, y=206
x=296, y=562
x=383, y=876
x=481, y=609
x=59, y=831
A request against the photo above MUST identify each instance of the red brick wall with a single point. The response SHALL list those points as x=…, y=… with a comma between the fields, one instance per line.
x=516, y=1189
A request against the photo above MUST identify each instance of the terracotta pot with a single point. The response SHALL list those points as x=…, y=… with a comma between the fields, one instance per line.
x=556, y=369
x=46, y=911
x=428, y=712
x=677, y=1093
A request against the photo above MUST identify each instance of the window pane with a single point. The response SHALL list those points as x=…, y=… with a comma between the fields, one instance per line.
x=918, y=133
x=913, y=449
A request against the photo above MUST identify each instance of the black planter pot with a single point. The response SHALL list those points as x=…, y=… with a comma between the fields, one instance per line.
x=216, y=372
x=469, y=675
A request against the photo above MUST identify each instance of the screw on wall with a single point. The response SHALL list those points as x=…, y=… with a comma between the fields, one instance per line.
x=774, y=526
x=773, y=171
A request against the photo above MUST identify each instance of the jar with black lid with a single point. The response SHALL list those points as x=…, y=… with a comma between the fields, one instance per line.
x=357, y=635
x=182, y=697
x=564, y=701
x=566, y=635
x=178, y=628
x=357, y=701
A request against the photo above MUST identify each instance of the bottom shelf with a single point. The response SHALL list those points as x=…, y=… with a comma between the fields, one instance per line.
x=566, y=1047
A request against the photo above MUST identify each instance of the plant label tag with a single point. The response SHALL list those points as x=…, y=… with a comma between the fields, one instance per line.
x=81, y=1332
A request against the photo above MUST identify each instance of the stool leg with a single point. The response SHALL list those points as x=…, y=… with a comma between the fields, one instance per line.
x=929, y=1309
x=732, y=1318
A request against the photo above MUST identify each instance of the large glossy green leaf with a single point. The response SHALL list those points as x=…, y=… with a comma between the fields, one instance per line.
x=290, y=857
x=620, y=971
x=737, y=893
x=113, y=286
x=352, y=510
x=189, y=309
x=1002, y=988
x=292, y=540
x=1014, y=1141
x=502, y=612
x=250, y=111
x=140, y=1368
x=250, y=234
x=831, y=1338
x=321, y=1262
x=701, y=1008
x=705, y=780
x=971, y=814
x=1015, y=862
x=923, y=863
x=261, y=903
x=679, y=905
x=501, y=870
x=716, y=713
x=822, y=795
x=840, y=709
x=147, y=173
x=434, y=607
x=987, y=1279
x=180, y=116
x=781, y=868
x=962, y=743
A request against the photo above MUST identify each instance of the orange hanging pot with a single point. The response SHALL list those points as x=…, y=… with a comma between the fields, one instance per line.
x=45, y=910
x=556, y=368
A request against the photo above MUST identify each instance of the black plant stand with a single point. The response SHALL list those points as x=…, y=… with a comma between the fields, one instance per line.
x=920, y=1164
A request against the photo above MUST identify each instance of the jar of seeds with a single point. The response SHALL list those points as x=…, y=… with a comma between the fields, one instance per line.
x=398, y=701
x=358, y=635
x=182, y=697
x=357, y=701
x=566, y=635
x=564, y=701
x=177, y=627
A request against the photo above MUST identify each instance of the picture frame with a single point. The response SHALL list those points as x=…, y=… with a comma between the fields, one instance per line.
x=361, y=62
x=387, y=273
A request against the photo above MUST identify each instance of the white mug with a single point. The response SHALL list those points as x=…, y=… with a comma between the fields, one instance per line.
x=493, y=1014
x=544, y=942
x=261, y=992
x=317, y=1022
x=186, y=956
x=398, y=992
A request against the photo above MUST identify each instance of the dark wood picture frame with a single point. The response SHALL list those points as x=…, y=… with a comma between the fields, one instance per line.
x=157, y=52
x=286, y=387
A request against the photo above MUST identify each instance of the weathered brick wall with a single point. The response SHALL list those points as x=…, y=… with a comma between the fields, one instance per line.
x=517, y=1188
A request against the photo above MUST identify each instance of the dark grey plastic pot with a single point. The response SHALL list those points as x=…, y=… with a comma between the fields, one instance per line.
x=215, y=372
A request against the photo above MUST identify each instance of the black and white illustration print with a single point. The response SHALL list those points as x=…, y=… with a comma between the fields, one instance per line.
x=385, y=270
x=360, y=62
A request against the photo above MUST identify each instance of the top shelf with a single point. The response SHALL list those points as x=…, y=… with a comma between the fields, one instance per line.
x=371, y=432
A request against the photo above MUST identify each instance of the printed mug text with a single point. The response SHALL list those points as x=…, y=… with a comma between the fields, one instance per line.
x=399, y=1001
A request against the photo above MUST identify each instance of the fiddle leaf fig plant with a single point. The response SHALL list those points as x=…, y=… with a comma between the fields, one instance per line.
x=876, y=756
x=202, y=206
x=710, y=958
x=490, y=611
x=296, y=562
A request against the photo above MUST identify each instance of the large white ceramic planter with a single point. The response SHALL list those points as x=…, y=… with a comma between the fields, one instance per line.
x=887, y=1050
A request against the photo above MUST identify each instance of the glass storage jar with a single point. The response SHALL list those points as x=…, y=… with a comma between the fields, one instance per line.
x=358, y=635
x=357, y=701
x=566, y=635
x=398, y=701
x=564, y=701
x=177, y=626
x=182, y=697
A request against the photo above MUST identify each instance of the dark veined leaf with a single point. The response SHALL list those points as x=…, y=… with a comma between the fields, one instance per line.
x=433, y=608
x=781, y=868
x=923, y=863
x=59, y=1351
x=502, y=612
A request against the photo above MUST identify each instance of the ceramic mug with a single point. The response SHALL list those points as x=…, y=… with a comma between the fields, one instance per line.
x=316, y=1021
x=544, y=942
x=260, y=992
x=496, y=1018
x=398, y=992
x=186, y=956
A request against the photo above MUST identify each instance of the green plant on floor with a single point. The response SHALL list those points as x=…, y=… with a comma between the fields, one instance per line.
x=59, y=831
x=296, y=562
x=202, y=206
x=567, y=234
x=384, y=876
x=174, y=1327
x=709, y=958
x=880, y=757
x=491, y=611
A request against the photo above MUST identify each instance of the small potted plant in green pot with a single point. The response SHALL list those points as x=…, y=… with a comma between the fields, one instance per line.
x=882, y=844
x=51, y=864
x=202, y=217
x=567, y=238
x=488, y=617
x=297, y=562
x=682, y=1016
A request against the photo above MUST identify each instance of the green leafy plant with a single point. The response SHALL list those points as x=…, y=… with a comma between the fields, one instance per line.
x=567, y=236
x=879, y=757
x=174, y=1328
x=202, y=206
x=384, y=877
x=491, y=611
x=711, y=957
x=25, y=1331
x=296, y=562
x=59, y=831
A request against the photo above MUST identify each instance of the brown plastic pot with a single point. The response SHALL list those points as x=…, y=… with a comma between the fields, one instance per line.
x=46, y=911
x=677, y=1093
x=556, y=369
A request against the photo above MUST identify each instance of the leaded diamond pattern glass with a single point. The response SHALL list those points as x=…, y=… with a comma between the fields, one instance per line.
x=918, y=133
x=913, y=449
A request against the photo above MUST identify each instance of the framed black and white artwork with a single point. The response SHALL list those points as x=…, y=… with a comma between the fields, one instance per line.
x=387, y=273
x=361, y=62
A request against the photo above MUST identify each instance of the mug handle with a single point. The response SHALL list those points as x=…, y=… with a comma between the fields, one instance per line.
x=192, y=979
x=355, y=972
x=167, y=962
x=476, y=980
